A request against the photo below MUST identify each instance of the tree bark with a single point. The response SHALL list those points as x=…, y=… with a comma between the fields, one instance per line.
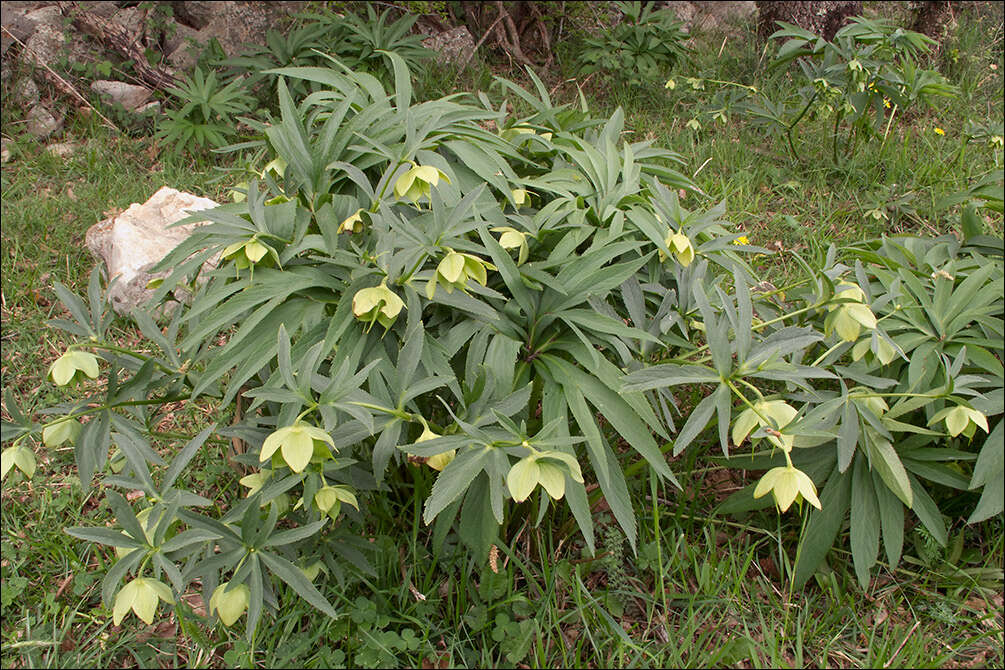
x=822, y=18
x=932, y=18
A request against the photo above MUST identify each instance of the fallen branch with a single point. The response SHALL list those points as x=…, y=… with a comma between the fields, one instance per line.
x=480, y=42
x=117, y=39
x=61, y=84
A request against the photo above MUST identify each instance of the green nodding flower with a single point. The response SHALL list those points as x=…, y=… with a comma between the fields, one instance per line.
x=418, y=182
x=141, y=596
x=778, y=411
x=547, y=468
x=377, y=303
x=511, y=238
x=438, y=461
x=246, y=253
x=20, y=456
x=847, y=318
x=57, y=433
x=329, y=499
x=454, y=271
x=73, y=365
x=297, y=444
x=229, y=602
x=787, y=484
x=961, y=419
x=353, y=224
x=681, y=247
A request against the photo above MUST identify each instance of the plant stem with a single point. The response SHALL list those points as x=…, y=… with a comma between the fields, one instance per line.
x=788, y=131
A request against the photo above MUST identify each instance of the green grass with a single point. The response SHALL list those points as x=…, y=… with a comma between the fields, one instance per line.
x=703, y=590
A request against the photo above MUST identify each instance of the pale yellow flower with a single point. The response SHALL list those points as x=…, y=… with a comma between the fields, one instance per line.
x=787, y=484
x=230, y=604
x=378, y=303
x=141, y=596
x=297, y=445
x=73, y=364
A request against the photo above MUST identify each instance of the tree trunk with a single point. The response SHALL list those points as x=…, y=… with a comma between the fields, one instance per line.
x=932, y=18
x=822, y=18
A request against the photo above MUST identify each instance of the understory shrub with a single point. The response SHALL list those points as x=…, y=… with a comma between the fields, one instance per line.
x=496, y=312
x=858, y=84
x=641, y=50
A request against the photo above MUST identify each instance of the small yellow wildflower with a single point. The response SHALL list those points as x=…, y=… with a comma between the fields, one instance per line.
x=939, y=131
x=671, y=84
x=886, y=103
x=741, y=240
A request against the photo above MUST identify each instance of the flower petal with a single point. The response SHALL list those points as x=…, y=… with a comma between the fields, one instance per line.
x=297, y=448
x=552, y=478
x=786, y=488
x=767, y=482
x=743, y=425
x=123, y=602
x=523, y=478
x=807, y=488
x=451, y=267
x=144, y=601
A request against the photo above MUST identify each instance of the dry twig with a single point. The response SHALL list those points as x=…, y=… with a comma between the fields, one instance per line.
x=60, y=83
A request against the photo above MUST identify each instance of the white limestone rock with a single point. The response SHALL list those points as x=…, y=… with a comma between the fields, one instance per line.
x=138, y=238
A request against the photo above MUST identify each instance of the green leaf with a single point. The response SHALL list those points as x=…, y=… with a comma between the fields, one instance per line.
x=295, y=578
x=113, y=538
x=823, y=526
x=886, y=462
x=865, y=523
x=294, y=534
x=847, y=438
x=891, y=516
x=695, y=423
x=614, y=408
x=991, y=460
x=662, y=376
x=928, y=512
x=991, y=502
x=454, y=480
x=478, y=527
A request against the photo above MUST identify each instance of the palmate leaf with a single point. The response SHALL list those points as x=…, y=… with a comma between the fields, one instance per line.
x=455, y=479
x=615, y=409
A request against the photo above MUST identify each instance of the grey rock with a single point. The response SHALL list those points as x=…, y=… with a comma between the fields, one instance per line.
x=452, y=46
x=106, y=9
x=49, y=43
x=129, y=96
x=48, y=15
x=42, y=122
x=196, y=14
x=712, y=15
x=131, y=21
x=233, y=25
x=5, y=150
x=135, y=240
x=16, y=26
x=63, y=149
x=179, y=35
x=26, y=92
x=152, y=107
